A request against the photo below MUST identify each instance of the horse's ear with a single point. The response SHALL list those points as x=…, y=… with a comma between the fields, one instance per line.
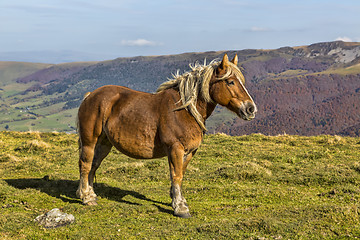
x=235, y=60
x=224, y=63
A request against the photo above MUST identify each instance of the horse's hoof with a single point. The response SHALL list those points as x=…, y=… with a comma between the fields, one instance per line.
x=183, y=215
x=91, y=203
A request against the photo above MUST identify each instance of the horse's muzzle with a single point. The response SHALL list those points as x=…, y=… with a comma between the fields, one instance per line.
x=247, y=110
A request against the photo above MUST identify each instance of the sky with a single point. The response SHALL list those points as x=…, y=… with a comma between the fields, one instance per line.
x=125, y=28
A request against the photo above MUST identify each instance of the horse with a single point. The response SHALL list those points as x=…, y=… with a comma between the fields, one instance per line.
x=169, y=122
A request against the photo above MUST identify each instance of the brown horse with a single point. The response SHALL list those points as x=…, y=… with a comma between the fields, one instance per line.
x=170, y=122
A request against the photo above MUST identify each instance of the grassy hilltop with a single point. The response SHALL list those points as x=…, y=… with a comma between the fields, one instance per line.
x=248, y=187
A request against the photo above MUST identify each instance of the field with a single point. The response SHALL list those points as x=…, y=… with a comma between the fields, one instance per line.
x=248, y=187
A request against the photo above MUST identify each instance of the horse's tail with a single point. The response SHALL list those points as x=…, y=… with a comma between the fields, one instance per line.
x=78, y=123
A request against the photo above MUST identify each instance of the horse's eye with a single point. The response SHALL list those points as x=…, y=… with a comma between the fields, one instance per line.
x=230, y=82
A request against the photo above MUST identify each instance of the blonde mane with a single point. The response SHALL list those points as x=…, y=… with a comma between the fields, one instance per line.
x=196, y=83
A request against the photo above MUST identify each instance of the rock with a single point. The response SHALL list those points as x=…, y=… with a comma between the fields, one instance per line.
x=55, y=218
x=7, y=206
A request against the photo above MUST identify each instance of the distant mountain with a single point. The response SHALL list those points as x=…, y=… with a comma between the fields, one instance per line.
x=305, y=90
x=54, y=57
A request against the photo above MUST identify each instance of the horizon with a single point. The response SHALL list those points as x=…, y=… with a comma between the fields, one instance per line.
x=78, y=57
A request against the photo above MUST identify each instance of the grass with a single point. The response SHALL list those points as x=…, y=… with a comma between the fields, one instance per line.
x=248, y=187
x=354, y=69
x=14, y=70
x=14, y=101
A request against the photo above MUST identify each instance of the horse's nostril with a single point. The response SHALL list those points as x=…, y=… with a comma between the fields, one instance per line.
x=251, y=109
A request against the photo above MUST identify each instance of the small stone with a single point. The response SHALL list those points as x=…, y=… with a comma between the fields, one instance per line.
x=55, y=218
x=7, y=206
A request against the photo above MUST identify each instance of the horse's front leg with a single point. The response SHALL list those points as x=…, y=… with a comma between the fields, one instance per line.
x=177, y=163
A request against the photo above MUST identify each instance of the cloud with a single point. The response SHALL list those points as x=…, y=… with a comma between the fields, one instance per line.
x=344, y=39
x=258, y=29
x=139, y=43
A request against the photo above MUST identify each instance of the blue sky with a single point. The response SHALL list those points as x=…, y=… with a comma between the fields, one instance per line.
x=120, y=28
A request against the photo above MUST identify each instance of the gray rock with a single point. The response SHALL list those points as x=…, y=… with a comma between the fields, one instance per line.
x=55, y=218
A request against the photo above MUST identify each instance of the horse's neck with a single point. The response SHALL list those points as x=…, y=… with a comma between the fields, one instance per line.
x=205, y=108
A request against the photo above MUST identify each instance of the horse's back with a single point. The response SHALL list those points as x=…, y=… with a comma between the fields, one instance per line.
x=104, y=99
x=98, y=104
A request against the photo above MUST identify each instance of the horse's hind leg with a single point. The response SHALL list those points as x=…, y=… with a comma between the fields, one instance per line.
x=102, y=149
x=91, y=156
x=85, y=191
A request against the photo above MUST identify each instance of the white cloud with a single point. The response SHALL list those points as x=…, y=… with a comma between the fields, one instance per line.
x=138, y=43
x=258, y=29
x=344, y=39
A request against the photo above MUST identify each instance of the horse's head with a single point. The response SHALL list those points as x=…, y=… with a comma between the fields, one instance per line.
x=227, y=89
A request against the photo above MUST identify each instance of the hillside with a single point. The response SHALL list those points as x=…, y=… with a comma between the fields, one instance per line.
x=14, y=70
x=305, y=90
x=247, y=187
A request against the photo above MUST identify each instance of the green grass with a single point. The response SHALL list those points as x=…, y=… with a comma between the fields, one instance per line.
x=13, y=70
x=249, y=187
x=354, y=69
x=48, y=118
x=14, y=101
x=14, y=89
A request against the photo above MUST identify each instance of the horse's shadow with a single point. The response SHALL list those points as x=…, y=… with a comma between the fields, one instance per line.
x=66, y=191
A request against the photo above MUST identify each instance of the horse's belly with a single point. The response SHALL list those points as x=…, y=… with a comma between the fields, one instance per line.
x=139, y=149
x=132, y=125
x=138, y=142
